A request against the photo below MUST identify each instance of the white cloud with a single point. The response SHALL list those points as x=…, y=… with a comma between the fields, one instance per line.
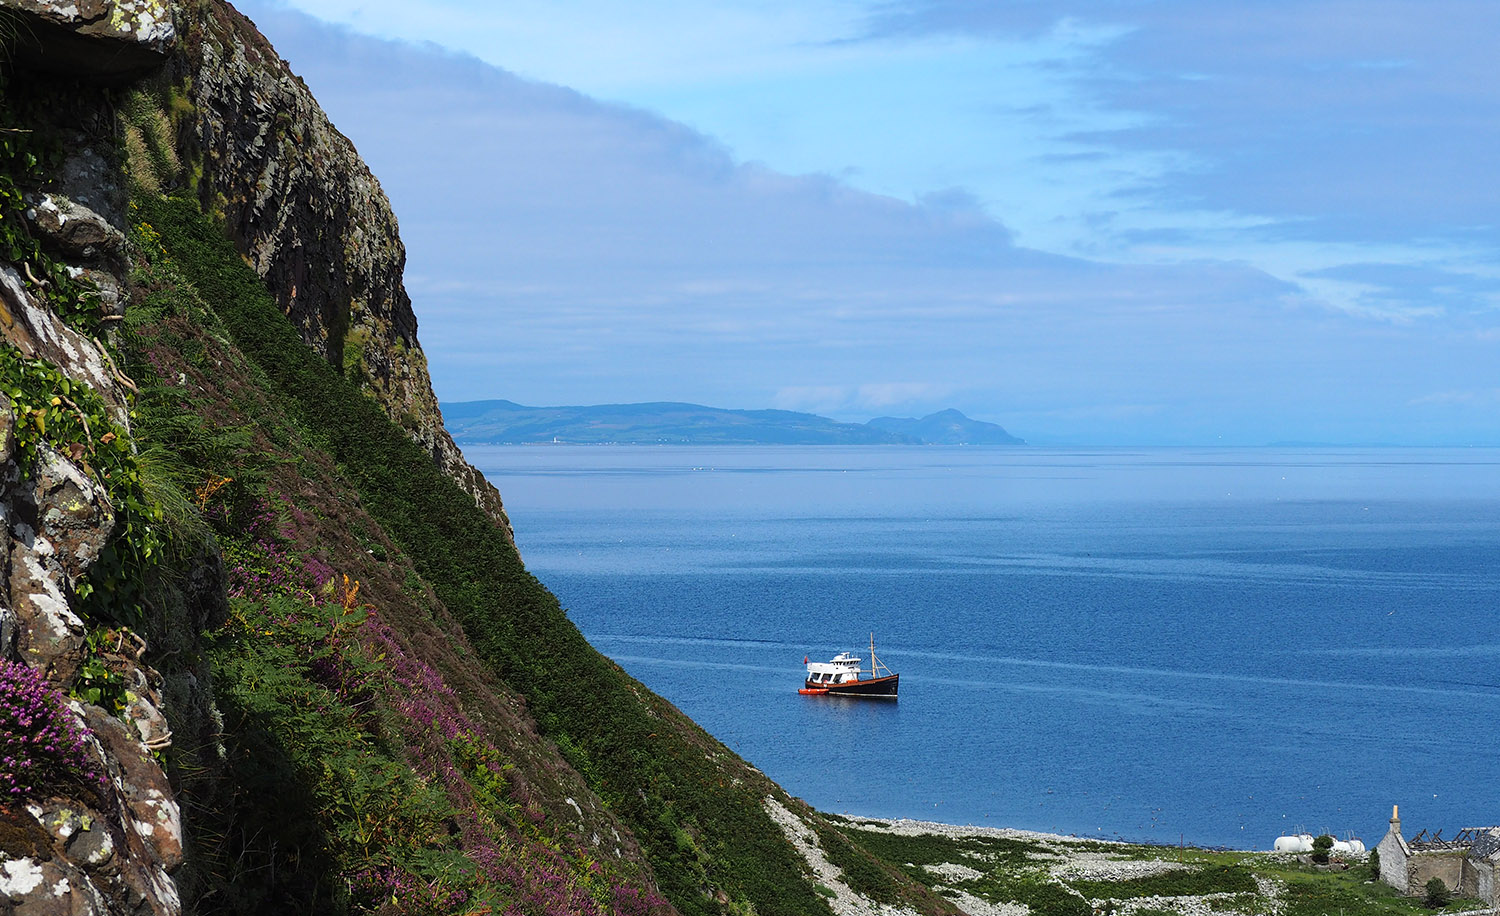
x=564, y=250
x=867, y=398
x=1482, y=397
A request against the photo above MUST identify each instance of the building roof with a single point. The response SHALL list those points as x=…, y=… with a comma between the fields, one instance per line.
x=1486, y=844
x=1478, y=842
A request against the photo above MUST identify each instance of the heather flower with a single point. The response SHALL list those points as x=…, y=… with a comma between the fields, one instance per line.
x=41, y=746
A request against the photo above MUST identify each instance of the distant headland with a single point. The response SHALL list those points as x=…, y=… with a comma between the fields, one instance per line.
x=667, y=422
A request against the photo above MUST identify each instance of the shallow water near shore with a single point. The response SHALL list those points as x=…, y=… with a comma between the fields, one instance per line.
x=1210, y=646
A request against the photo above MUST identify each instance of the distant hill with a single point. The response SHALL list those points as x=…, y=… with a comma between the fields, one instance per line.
x=505, y=422
x=508, y=423
x=947, y=427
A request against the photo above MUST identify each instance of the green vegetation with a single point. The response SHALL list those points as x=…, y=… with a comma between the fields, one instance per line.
x=1034, y=872
x=98, y=682
x=351, y=779
x=1012, y=870
x=1438, y=895
x=345, y=805
x=1321, y=847
x=866, y=873
x=928, y=849
x=72, y=419
x=1205, y=879
x=695, y=809
x=30, y=154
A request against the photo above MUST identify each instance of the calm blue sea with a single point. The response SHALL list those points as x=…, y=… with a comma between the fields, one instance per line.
x=1219, y=646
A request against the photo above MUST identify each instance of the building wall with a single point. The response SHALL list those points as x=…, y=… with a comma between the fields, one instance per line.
x=1484, y=882
x=1426, y=865
x=1393, y=861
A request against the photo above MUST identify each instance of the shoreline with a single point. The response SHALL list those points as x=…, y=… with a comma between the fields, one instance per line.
x=906, y=826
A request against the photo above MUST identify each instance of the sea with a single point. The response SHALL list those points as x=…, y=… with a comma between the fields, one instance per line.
x=1204, y=646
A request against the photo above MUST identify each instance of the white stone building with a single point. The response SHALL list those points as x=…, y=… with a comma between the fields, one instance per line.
x=1467, y=863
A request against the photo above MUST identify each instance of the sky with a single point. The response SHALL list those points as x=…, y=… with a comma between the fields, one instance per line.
x=1106, y=222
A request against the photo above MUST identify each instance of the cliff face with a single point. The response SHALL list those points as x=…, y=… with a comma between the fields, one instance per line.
x=89, y=822
x=302, y=205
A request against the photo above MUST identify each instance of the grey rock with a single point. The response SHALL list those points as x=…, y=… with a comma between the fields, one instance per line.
x=307, y=213
x=37, y=331
x=101, y=41
x=92, y=847
x=8, y=622
x=82, y=832
x=64, y=890
x=150, y=844
x=7, y=431
x=73, y=513
x=58, y=521
x=109, y=289
x=50, y=637
x=74, y=229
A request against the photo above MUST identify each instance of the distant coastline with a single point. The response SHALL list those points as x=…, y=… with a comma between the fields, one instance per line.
x=500, y=422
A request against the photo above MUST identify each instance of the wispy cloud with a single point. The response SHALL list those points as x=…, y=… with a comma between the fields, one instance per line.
x=1139, y=132
x=867, y=398
x=567, y=250
x=1483, y=397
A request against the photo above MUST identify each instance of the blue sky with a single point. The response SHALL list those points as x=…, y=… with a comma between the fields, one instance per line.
x=1092, y=221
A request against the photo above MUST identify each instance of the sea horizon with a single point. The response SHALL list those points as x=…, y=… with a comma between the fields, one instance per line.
x=1121, y=643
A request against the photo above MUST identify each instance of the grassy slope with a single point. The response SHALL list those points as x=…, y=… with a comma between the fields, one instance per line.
x=206, y=413
x=692, y=804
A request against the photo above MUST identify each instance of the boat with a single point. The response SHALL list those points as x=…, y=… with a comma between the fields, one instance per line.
x=843, y=677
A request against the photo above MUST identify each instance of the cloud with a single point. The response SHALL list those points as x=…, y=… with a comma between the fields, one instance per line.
x=1483, y=398
x=1286, y=134
x=814, y=398
x=1373, y=117
x=567, y=250
x=863, y=400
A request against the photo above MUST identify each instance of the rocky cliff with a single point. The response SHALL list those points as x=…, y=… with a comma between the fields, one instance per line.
x=88, y=820
x=303, y=207
x=266, y=644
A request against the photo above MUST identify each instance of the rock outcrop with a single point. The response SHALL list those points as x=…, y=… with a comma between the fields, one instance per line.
x=299, y=201
x=315, y=224
x=305, y=210
x=107, y=41
x=83, y=848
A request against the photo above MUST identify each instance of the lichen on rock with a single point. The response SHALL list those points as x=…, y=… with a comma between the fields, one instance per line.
x=98, y=40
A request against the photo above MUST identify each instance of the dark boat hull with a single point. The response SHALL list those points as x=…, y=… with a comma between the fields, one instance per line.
x=879, y=688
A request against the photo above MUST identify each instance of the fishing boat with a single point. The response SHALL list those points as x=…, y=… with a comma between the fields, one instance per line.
x=843, y=677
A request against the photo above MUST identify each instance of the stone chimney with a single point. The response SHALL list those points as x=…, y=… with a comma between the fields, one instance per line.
x=1394, y=854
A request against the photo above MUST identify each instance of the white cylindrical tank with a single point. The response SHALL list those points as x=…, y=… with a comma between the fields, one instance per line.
x=1357, y=846
x=1302, y=843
